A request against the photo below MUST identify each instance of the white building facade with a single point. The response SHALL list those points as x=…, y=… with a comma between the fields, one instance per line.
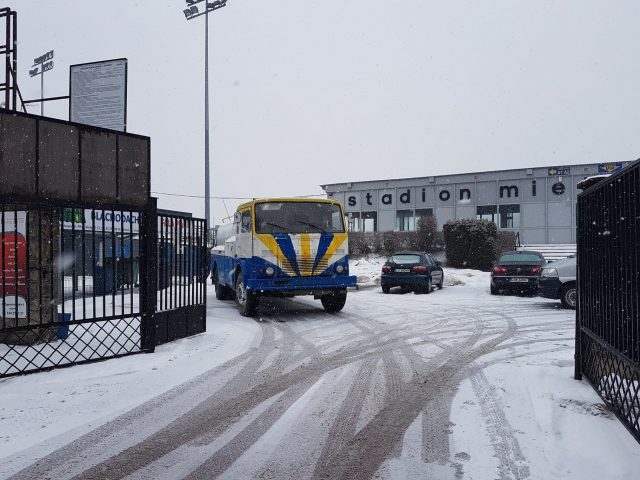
x=538, y=204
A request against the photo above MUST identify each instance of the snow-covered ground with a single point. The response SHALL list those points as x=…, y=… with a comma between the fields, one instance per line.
x=454, y=384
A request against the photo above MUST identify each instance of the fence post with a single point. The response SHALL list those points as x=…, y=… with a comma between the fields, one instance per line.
x=577, y=357
x=149, y=283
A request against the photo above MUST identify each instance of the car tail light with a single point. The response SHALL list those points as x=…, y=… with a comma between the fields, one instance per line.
x=498, y=269
x=386, y=269
x=536, y=269
x=419, y=269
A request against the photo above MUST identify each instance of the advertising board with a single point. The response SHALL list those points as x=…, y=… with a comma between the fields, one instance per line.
x=13, y=268
x=101, y=220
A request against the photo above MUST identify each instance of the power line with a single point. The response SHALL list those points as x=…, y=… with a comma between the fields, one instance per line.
x=228, y=198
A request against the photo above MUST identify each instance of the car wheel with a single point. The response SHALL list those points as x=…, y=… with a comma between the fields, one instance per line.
x=247, y=301
x=427, y=288
x=386, y=289
x=569, y=296
x=334, y=302
x=494, y=290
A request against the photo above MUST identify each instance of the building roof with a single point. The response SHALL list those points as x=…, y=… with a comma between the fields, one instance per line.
x=587, y=169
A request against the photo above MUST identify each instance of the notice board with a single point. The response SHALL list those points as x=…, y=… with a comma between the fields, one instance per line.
x=98, y=94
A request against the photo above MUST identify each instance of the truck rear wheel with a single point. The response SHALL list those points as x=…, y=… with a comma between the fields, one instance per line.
x=247, y=300
x=222, y=292
x=334, y=302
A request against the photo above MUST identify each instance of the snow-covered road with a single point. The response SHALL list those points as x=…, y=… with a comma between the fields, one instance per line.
x=455, y=384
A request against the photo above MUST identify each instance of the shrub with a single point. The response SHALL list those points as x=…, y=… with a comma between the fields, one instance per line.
x=385, y=243
x=505, y=242
x=470, y=243
x=358, y=244
x=391, y=242
x=426, y=231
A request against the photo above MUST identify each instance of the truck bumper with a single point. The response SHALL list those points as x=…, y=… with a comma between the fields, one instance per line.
x=300, y=285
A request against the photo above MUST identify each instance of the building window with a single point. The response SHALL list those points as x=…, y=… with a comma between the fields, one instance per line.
x=353, y=222
x=424, y=212
x=487, y=212
x=509, y=216
x=405, y=221
x=369, y=221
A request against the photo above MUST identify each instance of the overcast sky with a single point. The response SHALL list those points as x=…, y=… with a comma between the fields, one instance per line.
x=307, y=92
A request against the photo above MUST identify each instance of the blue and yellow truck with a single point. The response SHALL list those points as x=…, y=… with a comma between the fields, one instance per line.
x=283, y=247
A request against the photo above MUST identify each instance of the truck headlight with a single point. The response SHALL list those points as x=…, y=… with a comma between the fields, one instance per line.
x=339, y=268
x=269, y=271
x=549, y=272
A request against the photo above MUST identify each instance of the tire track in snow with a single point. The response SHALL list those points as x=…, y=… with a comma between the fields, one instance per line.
x=344, y=424
x=213, y=415
x=377, y=439
x=511, y=461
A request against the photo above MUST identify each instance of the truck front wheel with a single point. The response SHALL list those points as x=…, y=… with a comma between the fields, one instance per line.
x=334, y=302
x=247, y=300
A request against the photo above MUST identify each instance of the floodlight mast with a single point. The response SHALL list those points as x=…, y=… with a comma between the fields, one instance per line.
x=190, y=13
x=42, y=64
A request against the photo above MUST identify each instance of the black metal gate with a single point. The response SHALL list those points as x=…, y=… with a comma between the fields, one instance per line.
x=608, y=311
x=79, y=283
x=74, y=284
x=182, y=269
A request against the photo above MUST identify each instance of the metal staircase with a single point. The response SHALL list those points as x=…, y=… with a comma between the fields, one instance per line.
x=552, y=251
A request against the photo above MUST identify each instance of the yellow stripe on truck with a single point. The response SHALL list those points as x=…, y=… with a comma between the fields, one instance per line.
x=273, y=246
x=336, y=243
x=305, y=255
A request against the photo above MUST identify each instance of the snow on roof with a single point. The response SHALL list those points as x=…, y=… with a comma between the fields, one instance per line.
x=592, y=180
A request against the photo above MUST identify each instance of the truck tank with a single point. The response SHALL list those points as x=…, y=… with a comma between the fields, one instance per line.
x=224, y=232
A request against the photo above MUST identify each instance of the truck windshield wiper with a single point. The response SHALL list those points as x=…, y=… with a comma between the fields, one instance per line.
x=312, y=226
x=276, y=225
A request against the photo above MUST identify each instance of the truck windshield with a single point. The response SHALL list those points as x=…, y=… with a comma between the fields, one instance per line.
x=298, y=217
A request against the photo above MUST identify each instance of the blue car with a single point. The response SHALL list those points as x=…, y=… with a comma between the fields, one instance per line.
x=411, y=271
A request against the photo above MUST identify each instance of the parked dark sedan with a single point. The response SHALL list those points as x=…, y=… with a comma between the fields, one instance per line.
x=416, y=271
x=517, y=272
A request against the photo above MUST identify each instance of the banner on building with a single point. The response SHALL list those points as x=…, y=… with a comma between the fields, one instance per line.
x=558, y=171
x=610, y=167
x=107, y=221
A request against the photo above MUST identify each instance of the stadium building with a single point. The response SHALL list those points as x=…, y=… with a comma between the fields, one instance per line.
x=538, y=204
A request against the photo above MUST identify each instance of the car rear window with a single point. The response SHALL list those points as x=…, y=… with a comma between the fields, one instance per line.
x=519, y=258
x=404, y=259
